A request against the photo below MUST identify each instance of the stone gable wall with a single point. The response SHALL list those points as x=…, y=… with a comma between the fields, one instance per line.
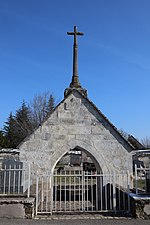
x=76, y=123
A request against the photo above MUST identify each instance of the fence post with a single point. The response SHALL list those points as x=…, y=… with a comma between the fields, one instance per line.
x=83, y=191
x=37, y=193
x=136, y=180
x=51, y=187
x=114, y=191
x=29, y=177
x=128, y=188
x=5, y=174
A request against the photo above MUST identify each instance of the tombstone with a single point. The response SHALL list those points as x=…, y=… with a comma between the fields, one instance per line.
x=75, y=158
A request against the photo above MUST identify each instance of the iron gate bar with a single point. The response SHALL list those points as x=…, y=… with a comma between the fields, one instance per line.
x=79, y=191
x=14, y=180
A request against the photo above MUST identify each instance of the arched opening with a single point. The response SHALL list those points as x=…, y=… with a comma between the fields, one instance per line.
x=77, y=180
x=78, y=183
x=78, y=159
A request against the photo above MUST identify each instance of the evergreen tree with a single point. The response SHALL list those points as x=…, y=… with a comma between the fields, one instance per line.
x=9, y=132
x=18, y=127
x=3, y=140
x=50, y=105
x=23, y=125
x=27, y=118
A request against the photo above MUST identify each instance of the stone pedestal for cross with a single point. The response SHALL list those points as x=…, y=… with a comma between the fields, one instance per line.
x=75, y=84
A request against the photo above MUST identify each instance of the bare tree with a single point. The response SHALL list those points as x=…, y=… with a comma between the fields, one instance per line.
x=146, y=142
x=41, y=107
x=124, y=134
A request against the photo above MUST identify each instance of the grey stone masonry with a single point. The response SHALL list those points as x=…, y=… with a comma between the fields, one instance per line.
x=16, y=207
x=76, y=122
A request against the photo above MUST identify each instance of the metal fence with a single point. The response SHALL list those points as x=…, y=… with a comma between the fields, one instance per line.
x=15, y=179
x=142, y=180
x=79, y=191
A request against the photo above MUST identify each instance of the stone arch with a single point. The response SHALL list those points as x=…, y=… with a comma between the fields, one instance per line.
x=89, y=149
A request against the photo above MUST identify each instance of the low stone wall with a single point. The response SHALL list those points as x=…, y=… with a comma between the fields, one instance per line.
x=141, y=207
x=17, y=207
x=21, y=207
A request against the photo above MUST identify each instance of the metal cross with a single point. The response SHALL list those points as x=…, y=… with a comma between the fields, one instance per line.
x=75, y=79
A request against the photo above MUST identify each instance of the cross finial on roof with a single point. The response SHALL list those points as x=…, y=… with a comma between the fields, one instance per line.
x=75, y=78
x=75, y=84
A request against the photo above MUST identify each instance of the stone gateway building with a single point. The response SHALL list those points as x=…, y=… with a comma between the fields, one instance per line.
x=75, y=161
x=77, y=124
x=79, y=159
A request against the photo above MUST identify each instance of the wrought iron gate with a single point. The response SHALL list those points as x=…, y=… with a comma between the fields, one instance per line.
x=79, y=191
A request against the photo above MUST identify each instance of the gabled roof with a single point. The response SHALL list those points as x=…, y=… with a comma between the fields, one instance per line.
x=124, y=142
x=75, y=86
x=135, y=143
x=130, y=148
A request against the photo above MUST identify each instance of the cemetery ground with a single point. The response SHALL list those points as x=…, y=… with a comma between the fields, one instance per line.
x=71, y=221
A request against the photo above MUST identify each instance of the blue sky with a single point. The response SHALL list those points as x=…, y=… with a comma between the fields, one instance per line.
x=114, y=55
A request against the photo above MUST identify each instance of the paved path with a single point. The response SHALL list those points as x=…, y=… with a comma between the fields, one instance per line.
x=74, y=222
